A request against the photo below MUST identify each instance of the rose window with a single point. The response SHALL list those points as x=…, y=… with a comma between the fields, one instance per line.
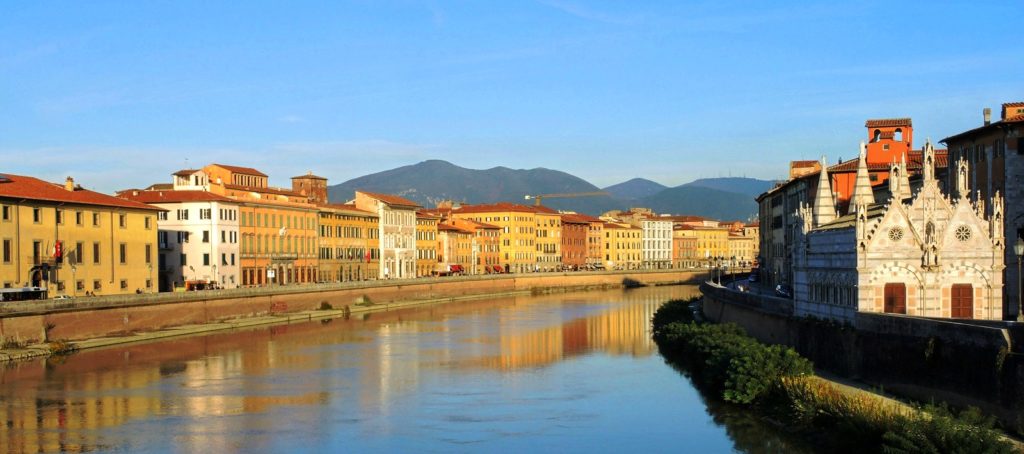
x=963, y=233
x=895, y=234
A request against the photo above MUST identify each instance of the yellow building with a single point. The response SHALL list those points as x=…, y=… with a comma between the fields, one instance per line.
x=426, y=243
x=684, y=247
x=548, y=230
x=348, y=242
x=623, y=248
x=518, y=227
x=75, y=241
x=712, y=242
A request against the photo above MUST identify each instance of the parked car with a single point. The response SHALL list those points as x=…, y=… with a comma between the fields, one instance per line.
x=784, y=290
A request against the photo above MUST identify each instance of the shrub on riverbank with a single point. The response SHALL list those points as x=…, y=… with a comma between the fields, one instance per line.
x=724, y=360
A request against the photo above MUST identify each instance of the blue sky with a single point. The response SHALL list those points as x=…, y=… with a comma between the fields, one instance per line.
x=121, y=94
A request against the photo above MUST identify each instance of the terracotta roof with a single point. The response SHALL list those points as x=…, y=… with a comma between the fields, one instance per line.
x=391, y=199
x=574, y=219
x=1013, y=104
x=913, y=163
x=276, y=191
x=160, y=187
x=311, y=176
x=427, y=214
x=756, y=223
x=171, y=196
x=185, y=172
x=242, y=170
x=351, y=209
x=887, y=122
x=22, y=187
x=452, y=228
x=499, y=207
x=997, y=124
x=684, y=218
x=811, y=163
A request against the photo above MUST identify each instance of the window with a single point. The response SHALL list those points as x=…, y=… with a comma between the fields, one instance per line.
x=206, y=236
x=204, y=213
x=7, y=251
x=95, y=219
x=161, y=216
x=59, y=216
x=223, y=259
x=122, y=220
x=206, y=259
x=79, y=218
x=37, y=215
x=123, y=249
x=79, y=285
x=149, y=253
x=184, y=259
x=79, y=252
x=6, y=213
x=182, y=215
x=149, y=283
x=124, y=284
x=148, y=222
x=182, y=237
x=96, y=252
x=96, y=284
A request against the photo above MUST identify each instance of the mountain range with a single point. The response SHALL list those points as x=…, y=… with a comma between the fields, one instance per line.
x=433, y=181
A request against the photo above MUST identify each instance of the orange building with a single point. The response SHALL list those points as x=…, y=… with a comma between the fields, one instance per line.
x=485, y=245
x=454, y=249
x=278, y=226
x=574, y=241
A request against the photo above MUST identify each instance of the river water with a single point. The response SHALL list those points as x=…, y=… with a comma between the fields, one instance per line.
x=554, y=373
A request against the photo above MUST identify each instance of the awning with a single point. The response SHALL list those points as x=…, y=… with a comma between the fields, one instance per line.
x=456, y=268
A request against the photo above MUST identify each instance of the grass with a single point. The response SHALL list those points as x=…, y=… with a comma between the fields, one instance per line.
x=778, y=383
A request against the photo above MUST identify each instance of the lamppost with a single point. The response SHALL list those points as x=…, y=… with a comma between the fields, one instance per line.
x=1018, y=248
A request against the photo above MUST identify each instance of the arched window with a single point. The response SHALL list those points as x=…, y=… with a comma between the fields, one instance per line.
x=876, y=136
x=898, y=135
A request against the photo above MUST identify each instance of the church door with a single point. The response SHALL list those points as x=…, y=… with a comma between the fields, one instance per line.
x=896, y=298
x=963, y=301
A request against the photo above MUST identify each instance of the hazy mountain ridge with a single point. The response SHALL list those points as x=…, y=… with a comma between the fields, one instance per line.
x=430, y=182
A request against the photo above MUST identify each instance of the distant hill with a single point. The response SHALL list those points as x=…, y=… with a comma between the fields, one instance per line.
x=430, y=182
x=433, y=181
x=702, y=201
x=636, y=188
x=749, y=186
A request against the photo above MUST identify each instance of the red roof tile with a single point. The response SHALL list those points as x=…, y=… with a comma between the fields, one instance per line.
x=347, y=207
x=185, y=172
x=275, y=191
x=452, y=228
x=1013, y=104
x=171, y=196
x=391, y=199
x=22, y=187
x=241, y=170
x=803, y=163
x=499, y=207
x=887, y=122
x=311, y=176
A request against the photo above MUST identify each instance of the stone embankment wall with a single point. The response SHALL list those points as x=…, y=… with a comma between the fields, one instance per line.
x=960, y=362
x=90, y=318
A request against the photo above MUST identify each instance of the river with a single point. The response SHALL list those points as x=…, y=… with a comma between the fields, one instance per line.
x=567, y=372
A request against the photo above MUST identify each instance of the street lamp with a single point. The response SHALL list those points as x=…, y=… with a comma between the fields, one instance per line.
x=1018, y=248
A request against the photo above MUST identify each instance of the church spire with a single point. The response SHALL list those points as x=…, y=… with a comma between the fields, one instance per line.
x=928, y=162
x=824, y=204
x=862, y=193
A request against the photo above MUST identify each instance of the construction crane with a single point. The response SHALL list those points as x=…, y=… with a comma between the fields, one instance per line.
x=538, y=198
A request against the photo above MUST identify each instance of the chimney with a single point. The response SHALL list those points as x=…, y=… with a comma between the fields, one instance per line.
x=987, y=113
x=69, y=184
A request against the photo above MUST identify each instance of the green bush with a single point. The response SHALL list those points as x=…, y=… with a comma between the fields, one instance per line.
x=938, y=430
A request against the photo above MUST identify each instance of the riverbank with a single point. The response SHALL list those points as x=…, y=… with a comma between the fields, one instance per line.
x=778, y=383
x=110, y=321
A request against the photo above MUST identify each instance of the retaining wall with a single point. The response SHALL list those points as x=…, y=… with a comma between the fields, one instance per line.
x=963, y=363
x=100, y=317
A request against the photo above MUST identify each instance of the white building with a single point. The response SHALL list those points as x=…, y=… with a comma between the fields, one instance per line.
x=922, y=254
x=397, y=231
x=197, y=236
x=657, y=243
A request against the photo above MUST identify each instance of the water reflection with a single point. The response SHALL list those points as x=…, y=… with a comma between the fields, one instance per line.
x=471, y=375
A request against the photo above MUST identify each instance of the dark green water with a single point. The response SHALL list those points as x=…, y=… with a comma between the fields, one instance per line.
x=558, y=373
